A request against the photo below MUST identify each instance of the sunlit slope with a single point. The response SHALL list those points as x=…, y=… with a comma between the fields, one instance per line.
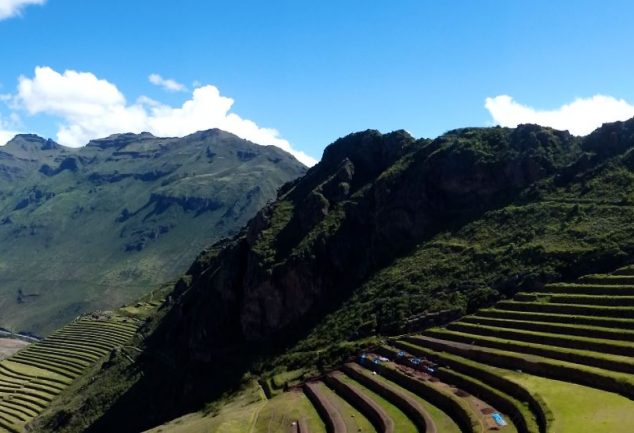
x=31, y=379
x=97, y=227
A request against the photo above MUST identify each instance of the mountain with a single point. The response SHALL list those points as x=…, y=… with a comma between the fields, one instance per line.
x=96, y=227
x=386, y=234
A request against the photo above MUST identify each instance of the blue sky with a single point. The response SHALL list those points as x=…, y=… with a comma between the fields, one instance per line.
x=313, y=70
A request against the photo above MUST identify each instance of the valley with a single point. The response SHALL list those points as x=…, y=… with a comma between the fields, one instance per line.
x=97, y=227
x=316, y=217
x=471, y=308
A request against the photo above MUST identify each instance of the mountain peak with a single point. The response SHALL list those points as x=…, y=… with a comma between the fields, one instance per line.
x=119, y=140
x=370, y=151
x=31, y=142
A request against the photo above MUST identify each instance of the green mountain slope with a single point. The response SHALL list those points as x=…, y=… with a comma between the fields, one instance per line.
x=385, y=235
x=96, y=227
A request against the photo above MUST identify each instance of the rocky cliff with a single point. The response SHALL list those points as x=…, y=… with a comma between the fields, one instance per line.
x=386, y=234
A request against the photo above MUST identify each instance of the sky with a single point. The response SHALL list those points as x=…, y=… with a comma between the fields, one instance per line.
x=300, y=74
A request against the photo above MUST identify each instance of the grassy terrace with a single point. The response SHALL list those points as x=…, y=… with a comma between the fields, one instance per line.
x=442, y=422
x=528, y=410
x=624, y=348
x=402, y=423
x=408, y=406
x=353, y=420
x=575, y=407
x=573, y=309
x=605, y=322
x=580, y=334
x=555, y=328
x=612, y=300
x=354, y=394
x=560, y=360
x=33, y=377
x=601, y=288
x=440, y=395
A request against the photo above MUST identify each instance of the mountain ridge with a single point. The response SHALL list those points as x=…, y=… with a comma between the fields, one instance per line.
x=379, y=242
x=133, y=202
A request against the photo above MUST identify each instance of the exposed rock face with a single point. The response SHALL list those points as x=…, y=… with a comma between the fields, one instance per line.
x=371, y=198
x=376, y=205
x=386, y=233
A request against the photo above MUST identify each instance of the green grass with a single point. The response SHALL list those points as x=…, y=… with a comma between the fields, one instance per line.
x=622, y=348
x=281, y=411
x=579, y=409
x=608, y=279
x=578, y=221
x=489, y=377
x=80, y=238
x=586, y=357
x=443, y=422
x=440, y=396
x=355, y=421
x=33, y=378
x=401, y=422
x=542, y=366
x=605, y=322
x=580, y=299
x=32, y=372
x=589, y=288
x=235, y=416
x=564, y=329
x=576, y=408
x=250, y=412
x=281, y=379
x=281, y=214
x=586, y=310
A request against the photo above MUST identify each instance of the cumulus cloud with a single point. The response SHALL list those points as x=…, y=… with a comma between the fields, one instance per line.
x=11, y=8
x=580, y=117
x=90, y=108
x=8, y=127
x=6, y=136
x=167, y=83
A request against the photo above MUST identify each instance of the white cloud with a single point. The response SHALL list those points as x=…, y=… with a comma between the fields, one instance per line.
x=580, y=117
x=11, y=8
x=6, y=136
x=166, y=83
x=9, y=128
x=90, y=108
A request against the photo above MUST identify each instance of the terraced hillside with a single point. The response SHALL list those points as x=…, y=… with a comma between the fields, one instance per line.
x=547, y=358
x=559, y=360
x=389, y=235
x=32, y=378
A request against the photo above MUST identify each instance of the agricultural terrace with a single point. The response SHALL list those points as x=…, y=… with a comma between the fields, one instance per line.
x=539, y=363
x=34, y=376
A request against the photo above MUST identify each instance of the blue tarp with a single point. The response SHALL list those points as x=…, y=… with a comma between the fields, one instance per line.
x=499, y=420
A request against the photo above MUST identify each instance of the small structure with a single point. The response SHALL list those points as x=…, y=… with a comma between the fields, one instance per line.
x=499, y=419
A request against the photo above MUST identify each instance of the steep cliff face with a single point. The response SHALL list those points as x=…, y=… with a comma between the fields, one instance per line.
x=371, y=198
x=385, y=234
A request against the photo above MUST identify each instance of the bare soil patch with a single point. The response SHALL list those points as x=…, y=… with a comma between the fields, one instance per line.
x=9, y=346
